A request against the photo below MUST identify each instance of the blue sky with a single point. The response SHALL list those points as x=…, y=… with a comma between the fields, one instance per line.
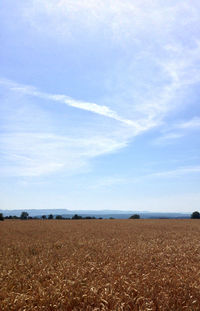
x=100, y=104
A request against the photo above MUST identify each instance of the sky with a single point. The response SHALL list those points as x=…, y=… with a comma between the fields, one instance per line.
x=99, y=105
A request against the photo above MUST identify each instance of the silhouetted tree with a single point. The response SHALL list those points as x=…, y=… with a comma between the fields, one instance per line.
x=59, y=217
x=1, y=217
x=9, y=217
x=135, y=216
x=50, y=216
x=24, y=215
x=77, y=217
x=195, y=215
x=44, y=217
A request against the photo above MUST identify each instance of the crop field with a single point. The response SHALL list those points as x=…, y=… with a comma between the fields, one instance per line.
x=100, y=265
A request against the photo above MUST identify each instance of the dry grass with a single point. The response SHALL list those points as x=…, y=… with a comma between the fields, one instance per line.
x=100, y=265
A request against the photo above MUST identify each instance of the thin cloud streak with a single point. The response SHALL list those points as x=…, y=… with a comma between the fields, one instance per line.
x=178, y=130
x=88, y=106
x=177, y=172
x=191, y=124
x=168, y=138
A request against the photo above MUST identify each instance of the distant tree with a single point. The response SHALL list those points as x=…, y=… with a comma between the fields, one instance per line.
x=1, y=217
x=50, y=216
x=44, y=217
x=195, y=215
x=24, y=215
x=59, y=217
x=9, y=217
x=135, y=216
x=77, y=217
x=80, y=217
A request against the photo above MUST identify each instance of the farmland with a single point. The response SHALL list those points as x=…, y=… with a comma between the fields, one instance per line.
x=100, y=265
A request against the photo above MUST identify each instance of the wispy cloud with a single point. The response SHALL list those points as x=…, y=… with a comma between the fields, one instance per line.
x=177, y=172
x=149, y=72
x=30, y=148
x=168, y=138
x=116, y=17
x=37, y=154
x=157, y=66
x=64, y=99
x=191, y=124
x=177, y=131
x=109, y=182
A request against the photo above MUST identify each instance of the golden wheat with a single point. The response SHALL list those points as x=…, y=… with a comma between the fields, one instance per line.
x=100, y=265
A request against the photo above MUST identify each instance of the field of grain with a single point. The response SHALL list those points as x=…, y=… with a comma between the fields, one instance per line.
x=100, y=265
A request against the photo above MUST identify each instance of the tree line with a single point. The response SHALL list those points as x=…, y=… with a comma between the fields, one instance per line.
x=25, y=216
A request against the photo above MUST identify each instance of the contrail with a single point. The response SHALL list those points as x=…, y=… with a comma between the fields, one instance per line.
x=89, y=106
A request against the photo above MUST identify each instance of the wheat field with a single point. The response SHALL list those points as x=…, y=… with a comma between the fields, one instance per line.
x=100, y=265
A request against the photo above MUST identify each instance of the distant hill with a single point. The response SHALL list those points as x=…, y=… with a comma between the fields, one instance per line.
x=103, y=213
